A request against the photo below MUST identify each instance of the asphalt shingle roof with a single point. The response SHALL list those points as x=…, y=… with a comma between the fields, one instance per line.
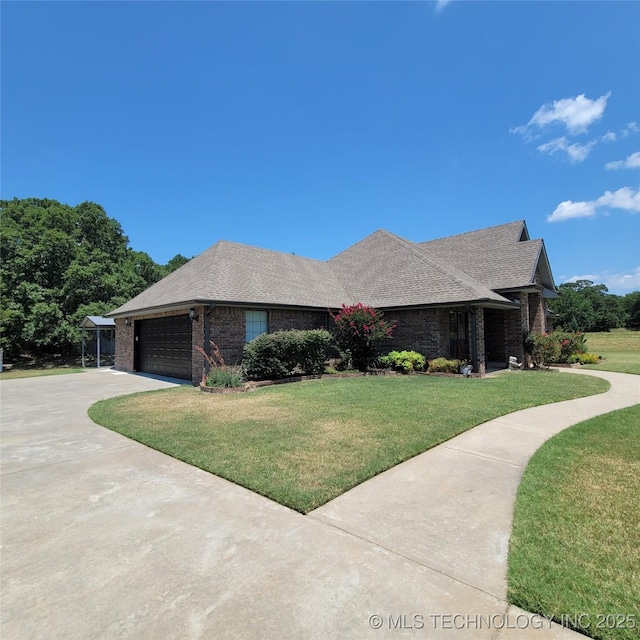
x=232, y=272
x=493, y=255
x=382, y=270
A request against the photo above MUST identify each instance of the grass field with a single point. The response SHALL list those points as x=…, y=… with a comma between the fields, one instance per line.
x=575, y=542
x=303, y=444
x=619, y=348
x=13, y=374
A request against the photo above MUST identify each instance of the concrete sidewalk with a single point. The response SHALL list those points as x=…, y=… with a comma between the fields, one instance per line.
x=105, y=538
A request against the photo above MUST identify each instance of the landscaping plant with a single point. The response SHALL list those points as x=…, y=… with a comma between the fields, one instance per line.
x=283, y=353
x=404, y=361
x=444, y=365
x=219, y=375
x=358, y=330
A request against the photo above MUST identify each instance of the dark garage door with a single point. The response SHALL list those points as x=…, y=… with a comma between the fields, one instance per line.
x=164, y=346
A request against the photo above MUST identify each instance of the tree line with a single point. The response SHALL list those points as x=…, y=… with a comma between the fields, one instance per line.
x=59, y=264
x=586, y=306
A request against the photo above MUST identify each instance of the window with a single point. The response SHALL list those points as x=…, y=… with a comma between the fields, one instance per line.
x=256, y=324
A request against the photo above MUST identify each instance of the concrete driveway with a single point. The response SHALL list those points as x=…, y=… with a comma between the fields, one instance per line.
x=103, y=537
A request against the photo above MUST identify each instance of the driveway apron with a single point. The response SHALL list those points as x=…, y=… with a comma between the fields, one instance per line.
x=103, y=537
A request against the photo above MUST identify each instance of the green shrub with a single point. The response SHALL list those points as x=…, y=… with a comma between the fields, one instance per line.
x=313, y=351
x=444, y=365
x=543, y=349
x=404, y=361
x=227, y=378
x=588, y=358
x=283, y=353
x=570, y=344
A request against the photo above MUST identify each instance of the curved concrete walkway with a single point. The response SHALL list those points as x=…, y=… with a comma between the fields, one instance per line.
x=103, y=537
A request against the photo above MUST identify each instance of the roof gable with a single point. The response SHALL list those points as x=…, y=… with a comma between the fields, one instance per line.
x=384, y=270
x=514, y=258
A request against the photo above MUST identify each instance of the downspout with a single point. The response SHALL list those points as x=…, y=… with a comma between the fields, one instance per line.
x=207, y=336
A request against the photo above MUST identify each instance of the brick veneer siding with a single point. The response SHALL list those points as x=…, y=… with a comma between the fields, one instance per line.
x=423, y=330
x=503, y=335
x=480, y=347
x=228, y=328
x=124, y=346
x=537, y=318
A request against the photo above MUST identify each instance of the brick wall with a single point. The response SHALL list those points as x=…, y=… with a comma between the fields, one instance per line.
x=423, y=330
x=228, y=327
x=124, y=346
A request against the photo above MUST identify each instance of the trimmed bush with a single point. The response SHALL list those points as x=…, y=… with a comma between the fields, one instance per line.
x=404, y=361
x=444, y=365
x=277, y=355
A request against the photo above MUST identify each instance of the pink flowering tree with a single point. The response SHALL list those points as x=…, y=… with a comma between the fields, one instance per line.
x=358, y=330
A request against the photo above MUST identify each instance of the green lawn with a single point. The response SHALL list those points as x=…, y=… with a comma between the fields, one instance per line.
x=575, y=545
x=303, y=444
x=620, y=350
x=12, y=374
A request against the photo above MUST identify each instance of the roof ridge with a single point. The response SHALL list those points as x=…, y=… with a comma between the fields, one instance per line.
x=463, y=279
x=264, y=249
x=467, y=233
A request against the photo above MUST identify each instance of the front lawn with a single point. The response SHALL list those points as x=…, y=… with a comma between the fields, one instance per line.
x=619, y=348
x=12, y=374
x=574, y=551
x=303, y=444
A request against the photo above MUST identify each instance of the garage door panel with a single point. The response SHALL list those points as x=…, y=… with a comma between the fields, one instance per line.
x=164, y=346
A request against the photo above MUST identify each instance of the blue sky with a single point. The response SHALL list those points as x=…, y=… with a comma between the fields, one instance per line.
x=305, y=126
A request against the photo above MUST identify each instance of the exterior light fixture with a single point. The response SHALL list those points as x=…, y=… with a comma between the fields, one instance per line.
x=192, y=314
x=127, y=322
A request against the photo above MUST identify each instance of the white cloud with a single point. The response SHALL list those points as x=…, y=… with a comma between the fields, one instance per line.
x=624, y=198
x=632, y=127
x=577, y=114
x=576, y=152
x=441, y=4
x=630, y=162
x=615, y=282
x=569, y=209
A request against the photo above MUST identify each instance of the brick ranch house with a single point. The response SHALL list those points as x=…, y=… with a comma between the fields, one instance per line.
x=467, y=296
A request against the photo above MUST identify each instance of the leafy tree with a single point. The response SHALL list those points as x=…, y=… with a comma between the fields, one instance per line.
x=60, y=263
x=632, y=306
x=175, y=263
x=357, y=330
x=585, y=306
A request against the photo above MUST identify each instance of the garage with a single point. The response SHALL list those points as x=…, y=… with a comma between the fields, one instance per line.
x=163, y=346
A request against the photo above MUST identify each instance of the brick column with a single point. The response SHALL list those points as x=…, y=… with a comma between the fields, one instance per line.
x=536, y=313
x=480, y=350
x=124, y=346
x=197, y=340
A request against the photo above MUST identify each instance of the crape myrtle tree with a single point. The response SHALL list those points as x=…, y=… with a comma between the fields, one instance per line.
x=58, y=264
x=358, y=330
